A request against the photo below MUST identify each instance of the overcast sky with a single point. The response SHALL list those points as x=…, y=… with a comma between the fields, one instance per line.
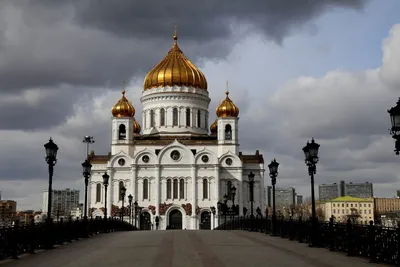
x=297, y=69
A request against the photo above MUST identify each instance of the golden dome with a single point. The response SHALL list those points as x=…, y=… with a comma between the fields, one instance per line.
x=123, y=108
x=175, y=69
x=227, y=108
x=136, y=127
x=214, y=127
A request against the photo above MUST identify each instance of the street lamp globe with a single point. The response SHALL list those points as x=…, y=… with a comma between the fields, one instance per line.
x=311, y=151
x=225, y=198
x=130, y=197
x=273, y=167
x=51, y=151
x=123, y=191
x=233, y=190
x=106, y=177
x=87, y=167
x=135, y=204
x=251, y=177
x=213, y=210
x=394, y=113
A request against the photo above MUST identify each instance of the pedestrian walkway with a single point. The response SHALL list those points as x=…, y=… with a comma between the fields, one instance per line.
x=180, y=248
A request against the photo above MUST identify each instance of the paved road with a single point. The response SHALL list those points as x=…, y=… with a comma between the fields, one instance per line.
x=186, y=249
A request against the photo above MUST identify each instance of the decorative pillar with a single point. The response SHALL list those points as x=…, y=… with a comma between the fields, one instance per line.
x=157, y=189
x=240, y=186
x=110, y=191
x=262, y=192
x=194, y=196
x=217, y=183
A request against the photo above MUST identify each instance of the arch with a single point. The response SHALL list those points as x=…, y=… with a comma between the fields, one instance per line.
x=146, y=151
x=122, y=132
x=145, y=188
x=175, y=219
x=213, y=159
x=152, y=121
x=145, y=220
x=205, y=220
x=169, y=188
x=175, y=189
x=97, y=213
x=120, y=185
x=162, y=117
x=182, y=189
x=188, y=155
x=205, y=188
x=228, y=132
x=237, y=162
x=98, y=192
x=175, y=117
x=114, y=159
x=188, y=117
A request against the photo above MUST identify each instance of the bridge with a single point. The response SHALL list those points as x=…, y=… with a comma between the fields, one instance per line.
x=184, y=248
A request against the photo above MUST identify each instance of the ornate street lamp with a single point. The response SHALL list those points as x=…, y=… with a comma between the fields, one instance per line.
x=123, y=192
x=251, y=183
x=136, y=208
x=106, y=178
x=233, y=192
x=273, y=173
x=88, y=140
x=130, y=198
x=213, y=211
x=87, y=167
x=225, y=208
x=51, y=159
x=311, y=159
x=395, y=130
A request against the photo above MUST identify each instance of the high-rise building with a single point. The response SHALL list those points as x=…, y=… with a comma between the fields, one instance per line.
x=299, y=199
x=360, y=190
x=328, y=191
x=285, y=197
x=63, y=201
x=268, y=196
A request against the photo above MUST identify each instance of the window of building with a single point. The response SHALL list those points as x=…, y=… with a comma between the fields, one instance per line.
x=347, y=205
x=369, y=205
x=122, y=132
x=145, y=189
x=98, y=192
x=175, y=117
x=333, y=204
x=205, y=188
x=228, y=132
x=334, y=211
x=198, y=118
x=152, y=121
x=228, y=190
x=175, y=189
x=121, y=184
x=188, y=117
x=182, y=189
x=342, y=205
x=355, y=205
x=369, y=211
x=343, y=211
x=169, y=188
x=365, y=205
x=351, y=205
x=162, y=117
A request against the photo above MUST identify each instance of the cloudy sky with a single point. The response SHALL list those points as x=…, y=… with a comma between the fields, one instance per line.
x=297, y=69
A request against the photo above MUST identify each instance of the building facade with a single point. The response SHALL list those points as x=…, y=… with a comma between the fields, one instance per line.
x=63, y=201
x=8, y=212
x=173, y=166
x=328, y=191
x=285, y=198
x=386, y=205
x=358, y=210
x=360, y=190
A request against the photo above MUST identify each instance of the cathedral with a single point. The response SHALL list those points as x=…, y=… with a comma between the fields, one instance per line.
x=176, y=168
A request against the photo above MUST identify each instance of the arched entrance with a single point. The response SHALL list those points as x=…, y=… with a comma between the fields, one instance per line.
x=205, y=220
x=145, y=221
x=175, y=219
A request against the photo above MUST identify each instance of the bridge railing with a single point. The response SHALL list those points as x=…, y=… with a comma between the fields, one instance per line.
x=18, y=239
x=378, y=243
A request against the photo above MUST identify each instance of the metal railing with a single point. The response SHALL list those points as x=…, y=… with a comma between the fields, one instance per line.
x=378, y=243
x=19, y=239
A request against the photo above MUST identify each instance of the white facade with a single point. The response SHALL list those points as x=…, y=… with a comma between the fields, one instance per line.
x=175, y=170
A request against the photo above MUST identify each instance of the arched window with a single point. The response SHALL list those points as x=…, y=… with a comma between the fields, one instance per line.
x=122, y=132
x=228, y=190
x=205, y=188
x=198, y=118
x=145, y=189
x=228, y=132
x=152, y=121
x=188, y=117
x=121, y=184
x=182, y=189
x=175, y=117
x=169, y=188
x=162, y=117
x=175, y=188
x=98, y=192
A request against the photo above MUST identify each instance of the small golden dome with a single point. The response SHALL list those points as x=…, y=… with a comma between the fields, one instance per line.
x=136, y=127
x=227, y=108
x=123, y=108
x=175, y=70
x=214, y=127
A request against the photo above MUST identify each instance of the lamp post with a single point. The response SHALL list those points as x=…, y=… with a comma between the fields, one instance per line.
x=106, y=177
x=87, y=167
x=225, y=208
x=273, y=173
x=123, y=192
x=395, y=130
x=233, y=193
x=51, y=159
x=135, y=209
x=251, y=183
x=213, y=213
x=88, y=140
x=130, y=197
x=311, y=159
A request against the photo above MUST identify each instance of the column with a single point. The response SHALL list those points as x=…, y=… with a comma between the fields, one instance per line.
x=110, y=190
x=241, y=188
x=217, y=182
x=134, y=173
x=194, y=196
x=157, y=189
x=262, y=193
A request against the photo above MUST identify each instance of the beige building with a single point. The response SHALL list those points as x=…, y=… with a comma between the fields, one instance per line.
x=359, y=210
x=386, y=205
x=8, y=211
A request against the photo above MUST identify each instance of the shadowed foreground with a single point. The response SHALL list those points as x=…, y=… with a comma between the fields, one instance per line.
x=186, y=249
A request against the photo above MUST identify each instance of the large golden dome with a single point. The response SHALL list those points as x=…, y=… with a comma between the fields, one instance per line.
x=227, y=108
x=136, y=127
x=175, y=69
x=123, y=108
x=214, y=127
